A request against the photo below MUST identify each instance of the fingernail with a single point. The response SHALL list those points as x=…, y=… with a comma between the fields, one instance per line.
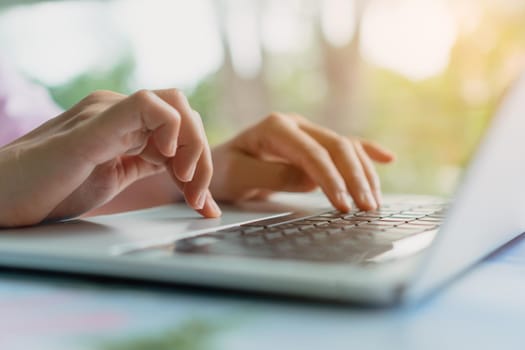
x=173, y=149
x=344, y=199
x=188, y=176
x=201, y=200
x=215, y=207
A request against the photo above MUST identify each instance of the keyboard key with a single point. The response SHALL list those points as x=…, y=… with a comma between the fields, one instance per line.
x=329, y=236
x=378, y=224
x=429, y=219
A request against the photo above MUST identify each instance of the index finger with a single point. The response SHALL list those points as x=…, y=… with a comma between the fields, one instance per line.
x=192, y=161
x=358, y=176
x=114, y=131
x=286, y=140
x=192, y=139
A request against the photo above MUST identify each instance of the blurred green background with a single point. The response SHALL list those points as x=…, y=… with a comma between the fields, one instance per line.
x=421, y=77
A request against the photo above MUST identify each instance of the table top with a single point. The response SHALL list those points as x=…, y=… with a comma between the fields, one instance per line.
x=483, y=309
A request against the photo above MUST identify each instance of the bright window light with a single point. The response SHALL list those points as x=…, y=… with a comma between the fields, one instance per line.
x=244, y=37
x=411, y=37
x=338, y=21
x=173, y=42
x=54, y=42
x=285, y=27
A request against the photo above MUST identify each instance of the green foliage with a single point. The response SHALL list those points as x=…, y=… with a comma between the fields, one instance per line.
x=191, y=335
x=204, y=98
x=115, y=79
x=433, y=125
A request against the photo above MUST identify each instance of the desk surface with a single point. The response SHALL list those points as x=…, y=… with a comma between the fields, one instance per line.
x=485, y=309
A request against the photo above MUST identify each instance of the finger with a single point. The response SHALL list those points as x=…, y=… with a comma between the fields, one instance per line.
x=138, y=141
x=344, y=155
x=377, y=152
x=210, y=209
x=196, y=190
x=135, y=168
x=370, y=172
x=151, y=154
x=192, y=140
x=112, y=131
x=162, y=119
x=293, y=144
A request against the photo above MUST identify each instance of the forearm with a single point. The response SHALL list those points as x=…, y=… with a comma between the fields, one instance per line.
x=149, y=192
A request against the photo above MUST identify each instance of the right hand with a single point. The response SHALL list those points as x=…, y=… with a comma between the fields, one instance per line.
x=87, y=155
x=287, y=152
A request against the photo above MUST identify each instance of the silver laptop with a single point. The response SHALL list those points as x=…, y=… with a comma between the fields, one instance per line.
x=296, y=245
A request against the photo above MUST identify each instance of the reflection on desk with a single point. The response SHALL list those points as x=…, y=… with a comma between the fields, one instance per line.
x=485, y=309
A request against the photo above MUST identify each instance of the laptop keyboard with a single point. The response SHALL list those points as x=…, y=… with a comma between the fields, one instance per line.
x=330, y=236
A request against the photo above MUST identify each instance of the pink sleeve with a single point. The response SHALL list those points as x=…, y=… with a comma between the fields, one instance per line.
x=23, y=105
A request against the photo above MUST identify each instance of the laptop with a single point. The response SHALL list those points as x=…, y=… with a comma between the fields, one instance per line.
x=296, y=245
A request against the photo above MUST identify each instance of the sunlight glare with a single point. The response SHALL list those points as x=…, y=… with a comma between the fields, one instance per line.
x=338, y=21
x=46, y=51
x=411, y=37
x=244, y=38
x=284, y=27
x=174, y=42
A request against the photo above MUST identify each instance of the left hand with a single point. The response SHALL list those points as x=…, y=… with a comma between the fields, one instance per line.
x=92, y=152
x=289, y=153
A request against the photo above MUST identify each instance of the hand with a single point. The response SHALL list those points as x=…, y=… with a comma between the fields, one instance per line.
x=289, y=153
x=86, y=156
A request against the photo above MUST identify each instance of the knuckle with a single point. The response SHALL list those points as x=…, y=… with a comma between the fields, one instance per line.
x=340, y=144
x=275, y=119
x=142, y=96
x=197, y=115
x=199, y=138
x=178, y=96
x=175, y=115
x=198, y=118
x=98, y=96
x=358, y=144
x=298, y=117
